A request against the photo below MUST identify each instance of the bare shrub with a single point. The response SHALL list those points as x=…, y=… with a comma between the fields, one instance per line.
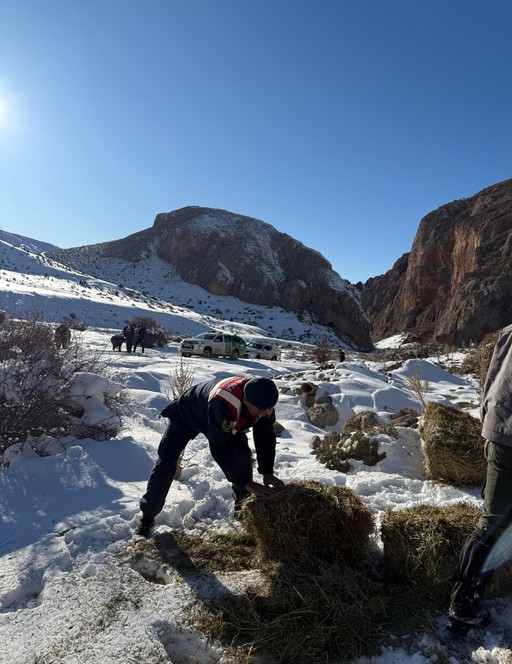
x=483, y=358
x=180, y=380
x=322, y=353
x=418, y=387
x=156, y=335
x=35, y=396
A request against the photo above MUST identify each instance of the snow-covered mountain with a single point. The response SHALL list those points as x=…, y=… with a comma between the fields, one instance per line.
x=25, y=242
x=231, y=255
x=32, y=282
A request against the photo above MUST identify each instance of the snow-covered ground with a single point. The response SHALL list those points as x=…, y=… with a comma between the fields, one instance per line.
x=70, y=592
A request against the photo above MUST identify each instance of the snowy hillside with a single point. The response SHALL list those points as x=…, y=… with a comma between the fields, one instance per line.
x=30, y=281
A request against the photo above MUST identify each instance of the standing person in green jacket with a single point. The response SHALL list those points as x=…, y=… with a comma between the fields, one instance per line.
x=474, y=570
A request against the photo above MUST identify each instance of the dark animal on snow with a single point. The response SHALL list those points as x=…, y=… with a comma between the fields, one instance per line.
x=117, y=341
x=62, y=337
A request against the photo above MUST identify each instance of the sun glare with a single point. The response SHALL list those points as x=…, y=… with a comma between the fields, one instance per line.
x=3, y=112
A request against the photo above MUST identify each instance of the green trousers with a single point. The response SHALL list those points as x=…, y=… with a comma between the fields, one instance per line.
x=471, y=578
x=497, y=490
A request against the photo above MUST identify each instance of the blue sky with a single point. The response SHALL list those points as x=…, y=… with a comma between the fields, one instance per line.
x=339, y=122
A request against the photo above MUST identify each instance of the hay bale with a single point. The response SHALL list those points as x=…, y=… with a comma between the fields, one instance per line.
x=309, y=519
x=310, y=611
x=453, y=446
x=422, y=545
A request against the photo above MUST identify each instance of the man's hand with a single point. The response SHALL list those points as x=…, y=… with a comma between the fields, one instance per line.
x=271, y=484
x=259, y=489
x=274, y=482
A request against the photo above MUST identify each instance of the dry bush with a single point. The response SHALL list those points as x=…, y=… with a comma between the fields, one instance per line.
x=322, y=353
x=156, y=335
x=453, y=446
x=309, y=519
x=180, y=379
x=30, y=382
x=34, y=395
x=418, y=387
x=477, y=359
x=335, y=450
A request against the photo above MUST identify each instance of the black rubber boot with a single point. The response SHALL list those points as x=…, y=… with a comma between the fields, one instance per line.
x=145, y=527
x=470, y=584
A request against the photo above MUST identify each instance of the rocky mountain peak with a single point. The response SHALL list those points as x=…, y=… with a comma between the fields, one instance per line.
x=231, y=254
x=455, y=285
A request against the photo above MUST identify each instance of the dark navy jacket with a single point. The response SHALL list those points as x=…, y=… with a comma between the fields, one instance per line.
x=194, y=410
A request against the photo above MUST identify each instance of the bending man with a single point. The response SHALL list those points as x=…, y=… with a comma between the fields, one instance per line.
x=223, y=410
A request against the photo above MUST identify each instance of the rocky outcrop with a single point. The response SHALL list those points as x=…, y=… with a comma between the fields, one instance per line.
x=455, y=285
x=229, y=254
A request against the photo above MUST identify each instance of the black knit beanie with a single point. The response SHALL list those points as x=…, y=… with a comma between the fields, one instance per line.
x=261, y=392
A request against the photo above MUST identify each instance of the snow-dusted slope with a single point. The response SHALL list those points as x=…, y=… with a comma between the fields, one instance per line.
x=31, y=282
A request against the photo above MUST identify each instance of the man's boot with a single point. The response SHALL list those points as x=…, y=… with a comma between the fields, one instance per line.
x=145, y=526
x=468, y=591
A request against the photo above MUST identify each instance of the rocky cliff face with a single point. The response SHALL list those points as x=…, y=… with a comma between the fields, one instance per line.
x=229, y=254
x=455, y=285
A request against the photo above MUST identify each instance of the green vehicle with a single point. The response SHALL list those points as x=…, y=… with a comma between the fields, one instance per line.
x=214, y=344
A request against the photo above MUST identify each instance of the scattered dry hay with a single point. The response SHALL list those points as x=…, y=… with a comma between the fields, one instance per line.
x=309, y=519
x=453, y=446
x=233, y=551
x=422, y=545
x=310, y=611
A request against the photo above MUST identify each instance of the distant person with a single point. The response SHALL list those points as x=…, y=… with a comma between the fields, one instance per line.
x=341, y=355
x=140, y=338
x=117, y=341
x=223, y=410
x=473, y=575
x=129, y=335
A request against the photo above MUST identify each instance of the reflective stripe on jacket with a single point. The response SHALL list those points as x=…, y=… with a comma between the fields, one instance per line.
x=231, y=391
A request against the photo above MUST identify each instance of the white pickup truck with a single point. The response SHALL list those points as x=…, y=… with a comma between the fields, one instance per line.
x=214, y=344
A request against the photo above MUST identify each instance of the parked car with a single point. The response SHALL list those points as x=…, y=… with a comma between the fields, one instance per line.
x=267, y=350
x=214, y=344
